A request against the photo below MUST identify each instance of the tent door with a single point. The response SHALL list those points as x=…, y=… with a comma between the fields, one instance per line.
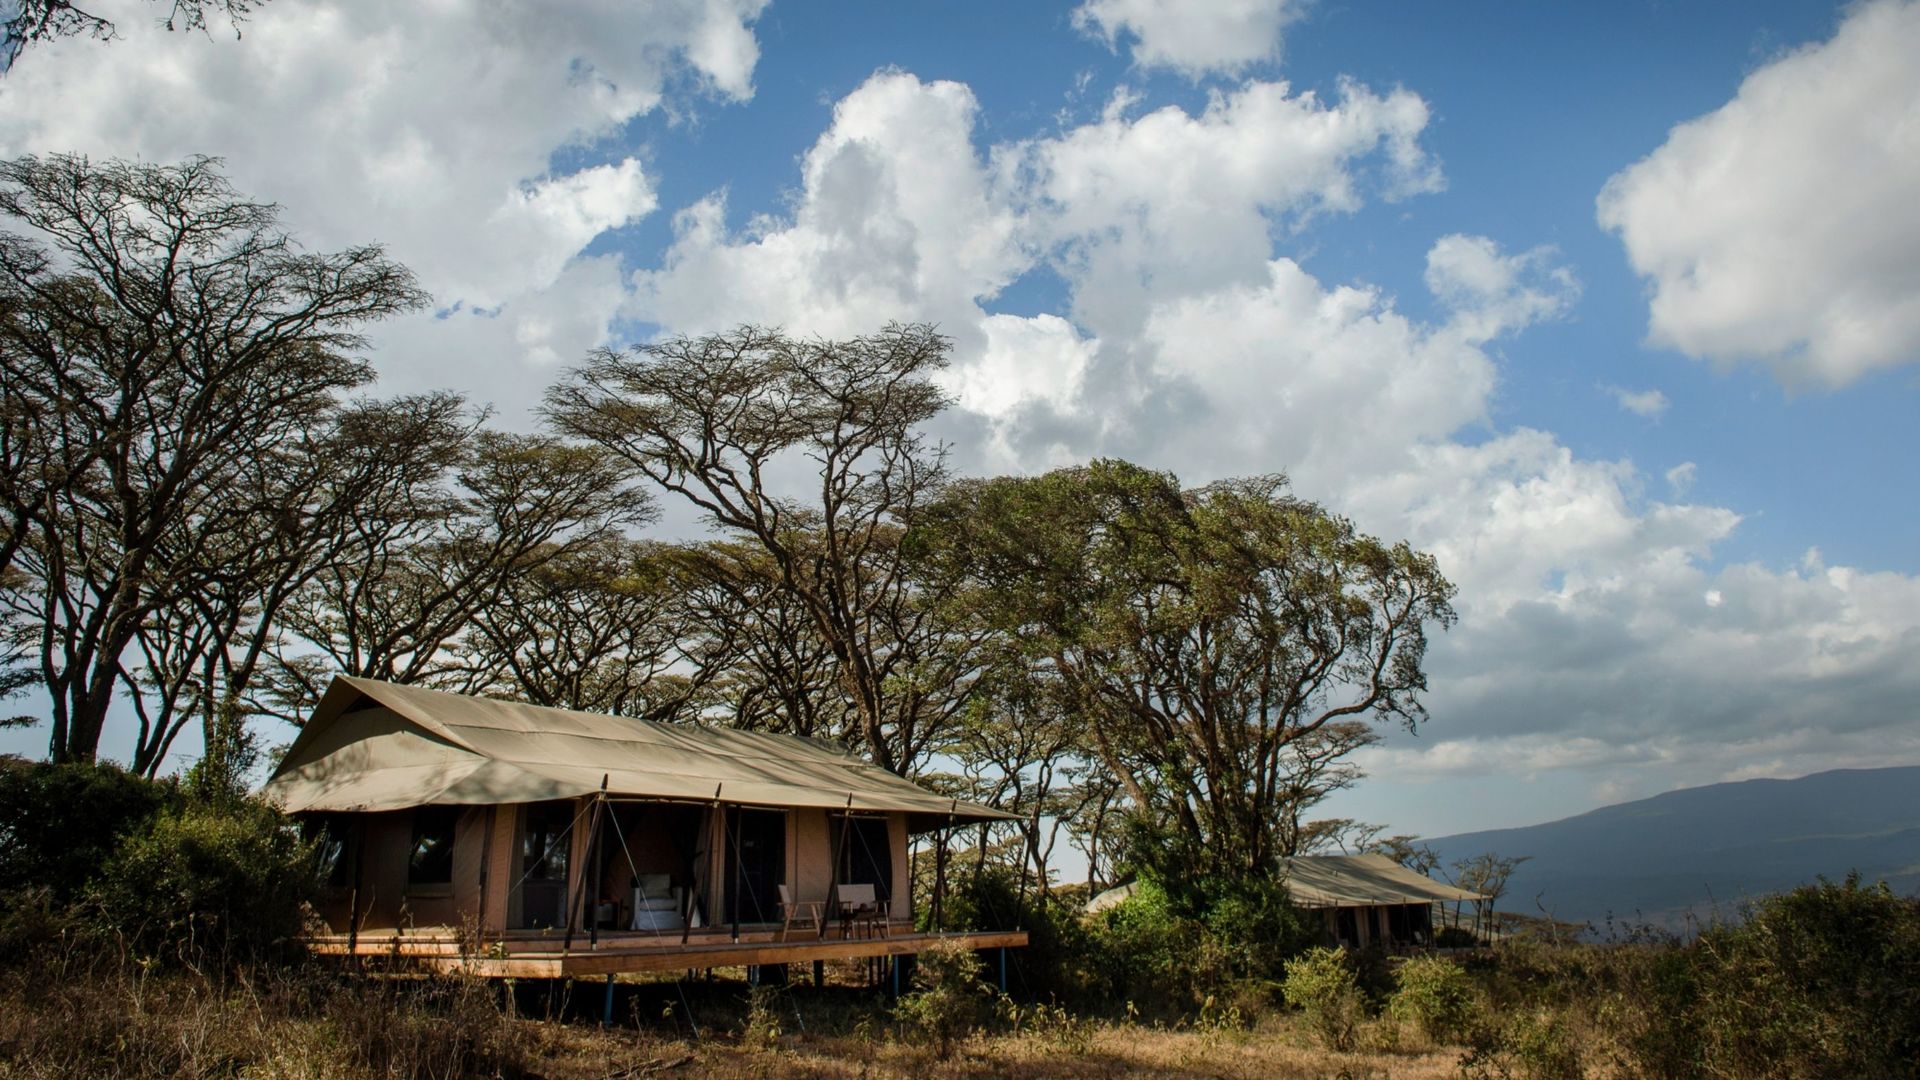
x=757, y=849
x=541, y=865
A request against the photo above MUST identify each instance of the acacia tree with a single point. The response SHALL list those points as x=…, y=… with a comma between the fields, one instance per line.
x=601, y=626
x=769, y=668
x=721, y=420
x=283, y=519
x=420, y=566
x=1202, y=635
x=1318, y=764
x=160, y=337
x=33, y=22
x=1486, y=874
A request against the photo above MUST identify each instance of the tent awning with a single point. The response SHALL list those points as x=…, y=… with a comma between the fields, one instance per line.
x=1326, y=881
x=373, y=745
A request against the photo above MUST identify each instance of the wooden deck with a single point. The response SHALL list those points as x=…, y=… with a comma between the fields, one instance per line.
x=546, y=956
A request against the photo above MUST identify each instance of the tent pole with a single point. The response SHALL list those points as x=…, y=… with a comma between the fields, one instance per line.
x=940, y=870
x=577, y=900
x=359, y=838
x=733, y=879
x=596, y=858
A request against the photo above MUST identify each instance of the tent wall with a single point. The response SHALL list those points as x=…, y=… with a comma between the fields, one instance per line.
x=902, y=906
x=810, y=862
x=813, y=838
x=380, y=844
x=383, y=887
x=469, y=855
x=487, y=864
x=500, y=869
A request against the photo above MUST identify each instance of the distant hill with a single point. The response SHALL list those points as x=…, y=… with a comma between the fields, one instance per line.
x=1698, y=849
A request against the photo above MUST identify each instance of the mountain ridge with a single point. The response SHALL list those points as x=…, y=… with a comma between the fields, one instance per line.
x=1698, y=852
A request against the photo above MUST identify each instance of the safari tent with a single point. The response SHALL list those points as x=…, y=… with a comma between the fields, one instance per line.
x=511, y=839
x=1368, y=899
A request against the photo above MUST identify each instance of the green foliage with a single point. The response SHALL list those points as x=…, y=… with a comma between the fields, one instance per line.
x=1820, y=981
x=1055, y=1026
x=951, y=1000
x=1435, y=996
x=1535, y=1044
x=227, y=883
x=60, y=823
x=1053, y=966
x=1227, y=940
x=1145, y=951
x=1255, y=926
x=1109, y=574
x=1321, y=984
x=762, y=1031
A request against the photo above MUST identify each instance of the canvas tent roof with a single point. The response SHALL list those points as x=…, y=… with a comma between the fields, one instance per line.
x=1324, y=881
x=374, y=745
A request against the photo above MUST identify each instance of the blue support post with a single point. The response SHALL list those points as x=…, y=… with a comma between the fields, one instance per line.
x=1003, y=969
x=606, y=1013
x=895, y=964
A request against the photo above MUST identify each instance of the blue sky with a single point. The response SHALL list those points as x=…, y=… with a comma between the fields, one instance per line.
x=1612, y=307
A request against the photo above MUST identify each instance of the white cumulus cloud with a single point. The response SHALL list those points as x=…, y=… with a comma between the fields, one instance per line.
x=1192, y=37
x=434, y=128
x=1782, y=229
x=1649, y=404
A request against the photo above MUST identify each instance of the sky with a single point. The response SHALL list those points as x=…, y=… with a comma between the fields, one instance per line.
x=1615, y=309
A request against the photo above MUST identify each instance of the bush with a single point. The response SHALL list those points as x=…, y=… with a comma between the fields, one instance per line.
x=1820, y=981
x=199, y=883
x=1257, y=929
x=950, y=1000
x=1053, y=966
x=60, y=823
x=1321, y=984
x=1435, y=996
x=1143, y=952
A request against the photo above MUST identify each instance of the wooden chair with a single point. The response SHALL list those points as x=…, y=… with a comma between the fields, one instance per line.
x=860, y=909
x=811, y=913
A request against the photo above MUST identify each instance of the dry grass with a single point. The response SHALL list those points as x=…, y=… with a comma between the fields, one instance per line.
x=117, y=1023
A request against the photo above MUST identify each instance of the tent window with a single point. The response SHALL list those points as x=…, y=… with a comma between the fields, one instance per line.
x=329, y=835
x=432, y=861
x=544, y=842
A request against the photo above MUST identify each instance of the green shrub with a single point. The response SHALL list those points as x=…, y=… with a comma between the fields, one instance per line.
x=1435, y=996
x=1533, y=1045
x=950, y=1000
x=60, y=823
x=1321, y=984
x=200, y=883
x=763, y=1028
x=1544, y=1047
x=1820, y=981
x=1256, y=928
x=1054, y=965
x=1142, y=951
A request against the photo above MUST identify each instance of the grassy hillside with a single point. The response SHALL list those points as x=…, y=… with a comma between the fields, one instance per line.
x=1707, y=848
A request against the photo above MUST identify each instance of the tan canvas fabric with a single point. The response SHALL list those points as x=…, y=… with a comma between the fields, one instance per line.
x=1324, y=881
x=380, y=746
